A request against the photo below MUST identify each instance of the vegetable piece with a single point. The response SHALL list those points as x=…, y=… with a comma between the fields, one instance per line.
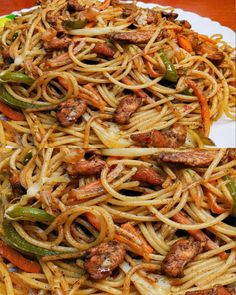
x=211, y=200
x=158, y=285
x=28, y=213
x=15, y=103
x=105, y=5
x=94, y=220
x=130, y=228
x=18, y=260
x=152, y=73
x=184, y=43
x=198, y=234
x=170, y=73
x=10, y=113
x=187, y=92
x=27, y=158
x=231, y=186
x=205, y=112
x=16, y=77
x=16, y=241
x=73, y=25
x=11, y=16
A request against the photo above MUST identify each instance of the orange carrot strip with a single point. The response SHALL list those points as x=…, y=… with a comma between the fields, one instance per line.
x=211, y=200
x=100, y=103
x=94, y=220
x=90, y=25
x=223, y=291
x=63, y=82
x=139, y=92
x=18, y=260
x=151, y=71
x=10, y=113
x=128, y=226
x=198, y=234
x=205, y=112
x=184, y=43
x=207, y=39
x=105, y=4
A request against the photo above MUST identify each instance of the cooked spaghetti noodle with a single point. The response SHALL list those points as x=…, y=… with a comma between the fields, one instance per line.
x=157, y=68
x=117, y=204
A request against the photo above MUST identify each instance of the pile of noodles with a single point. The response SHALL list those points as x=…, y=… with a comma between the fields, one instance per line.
x=119, y=199
x=79, y=66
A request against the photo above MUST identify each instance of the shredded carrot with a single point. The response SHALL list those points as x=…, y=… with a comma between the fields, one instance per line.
x=207, y=39
x=99, y=102
x=90, y=24
x=105, y=4
x=18, y=260
x=198, y=234
x=139, y=92
x=151, y=72
x=184, y=43
x=94, y=220
x=63, y=82
x=130, y=228
x=223, y=291
x=205, y=112
x=10, y=113
x=211, y=200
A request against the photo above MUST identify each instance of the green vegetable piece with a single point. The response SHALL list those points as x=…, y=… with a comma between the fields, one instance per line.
x=16, y=77
x=187, y=92
x=73, y=25
x=15, y=103
x=11, y=16
x=170, y=74
x=231, y=186
x=28, y=213
x=15, y=35
x=27, y=158
x=16, y=241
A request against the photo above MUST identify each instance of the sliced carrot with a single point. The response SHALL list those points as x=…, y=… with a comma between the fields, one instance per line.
x=198, y=234
x=105, y=5
x=184, y=43
x=94, y=220
x=10, y=113
x=99, y=102
x=90, y=25
x=130, y=228
x=151, y=72
x=63, y=82
x=211, y=200
x=18, y=260
x=205, y=112
x=139, y=92
x=223, y=291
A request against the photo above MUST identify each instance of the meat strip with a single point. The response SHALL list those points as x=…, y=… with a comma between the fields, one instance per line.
x=86, y=168
x=173, y=137
x=180, y=254
x=57, y=43
x=211, y=51
x=169, y=15
x=103, y=49
x=5, y=52
x=194, y=158
x=232, y=154
x=70, y=111
x=75, y=5
x=218, y=290
x=148, y=175
x=17, y=189
x=103, y=259
x=136, y=37
x=126, y=107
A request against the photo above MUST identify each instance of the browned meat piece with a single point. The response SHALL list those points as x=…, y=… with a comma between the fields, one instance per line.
x=86, y=168
x=148, y=175
x=76, y=5
x=184, y=23
x=103, y=49
x=126, y=107
x=219, y=290
x=57, y=43
x=17, y=189
x=232, y=154
x=68, y=112
x=5, y=52
x=212, y=52
x=139, y=36
x=173, y=137
x=181, y=252
x=103, y=259
x=169, y=15
x=195, y=158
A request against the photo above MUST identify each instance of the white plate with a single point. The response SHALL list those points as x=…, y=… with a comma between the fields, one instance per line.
x=223, y=132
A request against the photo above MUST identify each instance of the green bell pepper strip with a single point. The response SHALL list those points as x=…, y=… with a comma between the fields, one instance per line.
x=11, y=16
x=231, y=186
x=27, y=158
x=73, y=25
x=13, y=239
x=15, y=103
x=187, y=92
x=16, y=77
x=28, y=213
x=170, y=74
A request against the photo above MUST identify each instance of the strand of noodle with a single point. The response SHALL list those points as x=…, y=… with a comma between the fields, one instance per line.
x=6, y=278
